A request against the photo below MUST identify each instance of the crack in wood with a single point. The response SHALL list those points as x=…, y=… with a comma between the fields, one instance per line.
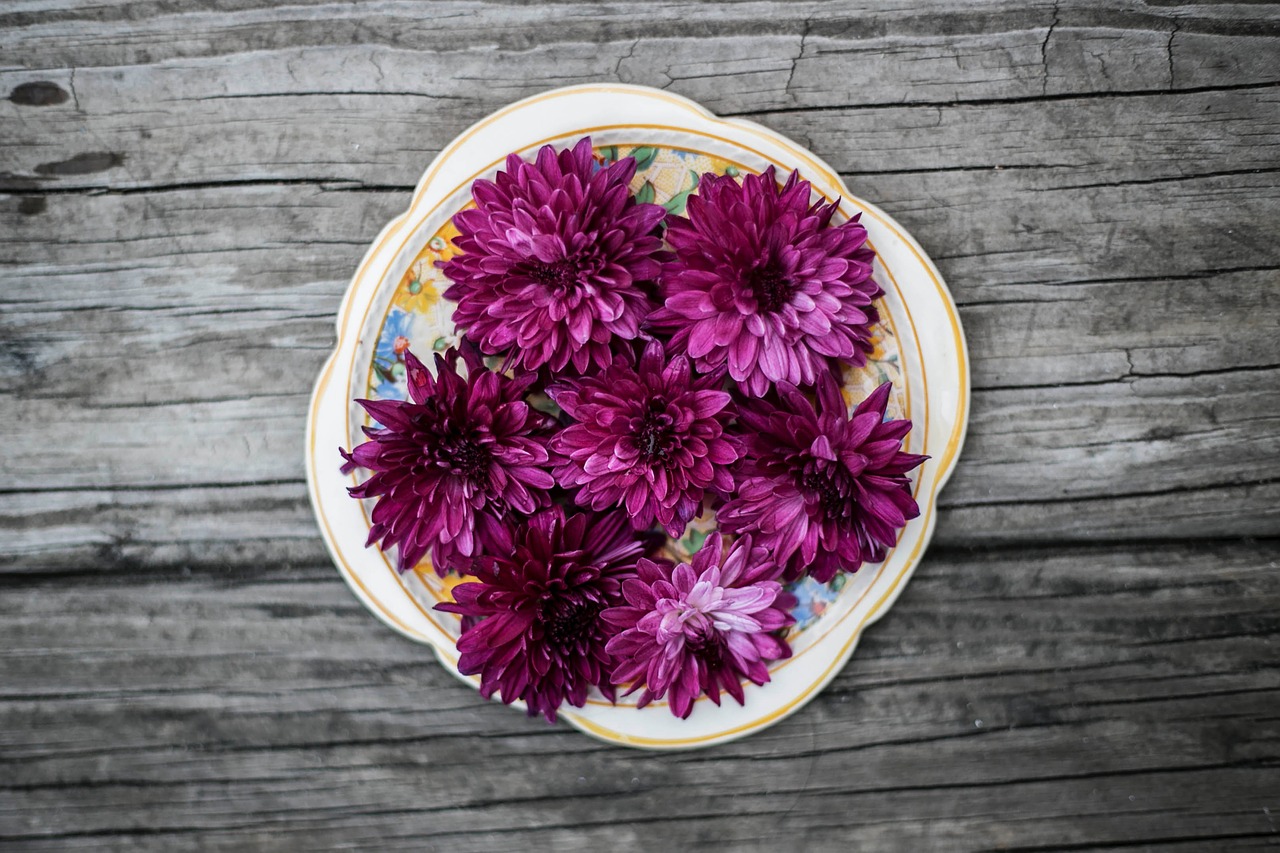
x=1023, y=99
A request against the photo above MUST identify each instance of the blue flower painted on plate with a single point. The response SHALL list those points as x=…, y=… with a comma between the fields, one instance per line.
x=395, y=333
x=388, y=360
x=391, y=387
x=813, y=599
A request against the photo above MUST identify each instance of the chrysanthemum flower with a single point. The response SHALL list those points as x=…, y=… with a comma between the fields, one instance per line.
x=821, y=488
x=649, y=437
x=451, y=463
x=554, y=256
x=702, y=628
x=532, y=628
x=763, y=283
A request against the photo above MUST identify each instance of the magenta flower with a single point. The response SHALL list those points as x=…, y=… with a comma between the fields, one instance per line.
x=763, y=283
x=531, y=624
x=822, y=489
x=650, y=438
x=554, y=256
x=702, y=628
x=451, y=463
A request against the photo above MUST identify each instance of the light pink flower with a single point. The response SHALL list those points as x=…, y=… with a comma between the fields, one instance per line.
x=694, y=629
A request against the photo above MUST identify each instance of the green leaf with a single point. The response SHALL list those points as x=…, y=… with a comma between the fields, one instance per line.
x=693, y=542
x=680, y=200
x=543, y=403
x=646, y=194
x=645, y=155
x=610, y=154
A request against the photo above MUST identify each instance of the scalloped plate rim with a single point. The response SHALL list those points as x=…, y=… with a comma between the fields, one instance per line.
x=896, y=583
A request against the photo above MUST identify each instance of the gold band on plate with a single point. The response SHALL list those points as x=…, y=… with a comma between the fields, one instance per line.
x=943, y=466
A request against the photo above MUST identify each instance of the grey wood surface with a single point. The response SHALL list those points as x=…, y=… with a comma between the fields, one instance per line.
x=1087, y=657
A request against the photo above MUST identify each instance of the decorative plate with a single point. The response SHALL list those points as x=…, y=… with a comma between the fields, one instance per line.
x=394, y=300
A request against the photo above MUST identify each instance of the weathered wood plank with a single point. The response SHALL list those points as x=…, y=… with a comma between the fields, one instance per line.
x=1011, y=694
x=994, y=229
x=1210, y=512
x=797, y=54
x=241, y=528
x=147, y=125
x=184, y=192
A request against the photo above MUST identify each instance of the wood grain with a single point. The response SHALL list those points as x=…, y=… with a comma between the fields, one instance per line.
x=1086, y=660
x=1115, y=694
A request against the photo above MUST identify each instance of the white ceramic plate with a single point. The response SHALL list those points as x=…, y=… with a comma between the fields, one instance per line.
x=395, y=298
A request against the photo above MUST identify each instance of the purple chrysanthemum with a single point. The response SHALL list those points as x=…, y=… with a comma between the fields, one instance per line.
x=823, y=489
x=693, y=629
x=649, y=437
x=452, y=462
x=763, y=283
x=554, y=256
x=532, y=627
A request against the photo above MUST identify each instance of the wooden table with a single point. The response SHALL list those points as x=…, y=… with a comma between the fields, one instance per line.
x=1086, y=659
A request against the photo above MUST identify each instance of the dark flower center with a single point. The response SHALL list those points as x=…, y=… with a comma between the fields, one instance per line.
x=559, y=276
x=565, y=623
x=708, y=648
x=465, y=457
x=831, y=492
x=770, y=287
x=655, y=436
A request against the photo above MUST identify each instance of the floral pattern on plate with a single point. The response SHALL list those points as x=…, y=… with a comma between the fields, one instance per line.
x=419, y=318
